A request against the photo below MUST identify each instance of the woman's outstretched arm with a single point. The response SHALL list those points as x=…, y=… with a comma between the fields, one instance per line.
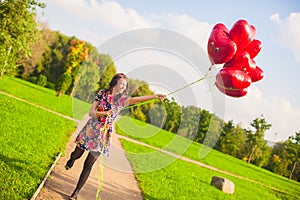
x=135, y=100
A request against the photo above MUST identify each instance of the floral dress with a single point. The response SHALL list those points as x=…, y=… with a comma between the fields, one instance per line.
x=96, y=134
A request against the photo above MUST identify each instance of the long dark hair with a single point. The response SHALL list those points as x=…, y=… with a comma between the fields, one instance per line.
x=114, y=82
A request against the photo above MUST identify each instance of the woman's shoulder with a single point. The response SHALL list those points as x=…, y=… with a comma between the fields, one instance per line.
x=122, y=99
x=101, y=94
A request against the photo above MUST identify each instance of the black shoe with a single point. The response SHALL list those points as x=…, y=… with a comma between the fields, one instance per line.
x=69, y=164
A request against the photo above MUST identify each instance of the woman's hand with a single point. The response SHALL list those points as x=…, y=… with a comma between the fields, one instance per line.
x=160, y=96
x=109, y=112
x=100, y=114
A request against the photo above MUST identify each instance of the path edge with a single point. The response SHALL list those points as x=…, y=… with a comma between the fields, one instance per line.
x=45, y=178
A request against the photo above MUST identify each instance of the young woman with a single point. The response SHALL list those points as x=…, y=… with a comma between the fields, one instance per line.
x=95, y=136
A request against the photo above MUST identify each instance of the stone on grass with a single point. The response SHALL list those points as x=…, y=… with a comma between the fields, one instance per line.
x=223, y=184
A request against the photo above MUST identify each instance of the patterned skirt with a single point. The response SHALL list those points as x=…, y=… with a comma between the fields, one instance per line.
x=94, y=137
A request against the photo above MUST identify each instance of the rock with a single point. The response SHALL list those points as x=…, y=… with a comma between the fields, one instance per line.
x=223, y=184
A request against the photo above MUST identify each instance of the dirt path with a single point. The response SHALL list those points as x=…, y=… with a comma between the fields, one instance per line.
x=118, y=184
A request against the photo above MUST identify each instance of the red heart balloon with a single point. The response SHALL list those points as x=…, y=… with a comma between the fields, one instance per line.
x=254, y=48
x=242, y=33
x=256, y=74
x=241, y=61
x=220, y=47
x=232, y=92
x=233, y=78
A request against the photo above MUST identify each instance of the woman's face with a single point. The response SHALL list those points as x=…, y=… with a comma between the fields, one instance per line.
x=121, y=86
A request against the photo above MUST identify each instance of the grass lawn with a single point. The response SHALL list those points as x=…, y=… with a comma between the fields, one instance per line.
x=179, y=145
x=44, y=97
x=31, y=139
x=183, y=180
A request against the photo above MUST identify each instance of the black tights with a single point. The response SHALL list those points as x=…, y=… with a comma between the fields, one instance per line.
x=88, y=164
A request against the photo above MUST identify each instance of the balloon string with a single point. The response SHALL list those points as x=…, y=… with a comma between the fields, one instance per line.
x=177, y=90
x=204, y=77
x=229, y=88
x=101, y=178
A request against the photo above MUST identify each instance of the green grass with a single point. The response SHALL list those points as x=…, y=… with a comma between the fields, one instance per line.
x=179, y=145
x=183, y=180
x=44, y=97
x=31, y=139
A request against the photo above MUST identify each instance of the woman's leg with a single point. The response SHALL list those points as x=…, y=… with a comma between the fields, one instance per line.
x=77, y=153
x=88, y=164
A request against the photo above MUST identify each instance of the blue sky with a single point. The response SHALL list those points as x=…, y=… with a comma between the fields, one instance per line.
x=276, y=96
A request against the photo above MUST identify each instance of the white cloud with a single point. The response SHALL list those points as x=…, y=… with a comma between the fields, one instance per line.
x=289, y=31
x=109, y=18
x=92, y=20
x=106, y=12
x=97, y=21
x=278, y=112
x=184, y=24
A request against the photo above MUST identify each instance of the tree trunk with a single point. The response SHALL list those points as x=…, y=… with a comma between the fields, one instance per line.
x=76, y=80
x=59, y=93
x=251, y=154
x=294, y=167
x=5, y=62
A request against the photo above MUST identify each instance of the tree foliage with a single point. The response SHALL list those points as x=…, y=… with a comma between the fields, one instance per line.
x=18, y=30
x=54, y=58
x=78, y=53
x=27, y=65
x=140, y=88
x=294, y=154
x=173, y=118
x=255, y=143
x=107, y=70
x=232, y=139
x=88, y=77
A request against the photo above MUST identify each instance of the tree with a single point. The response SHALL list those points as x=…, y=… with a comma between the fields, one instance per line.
x=140, y=88
x=204, y=122
x=189, y=122
x=107, y=70
x=294, y=150
x=78, y=52
x=232, y=139
x=42, y=80
x=279, y=159
x=214, y=130
x=255, y=143
x=38, y=48
x=63, y=83
x=88, y=77
x=54, y=58
x=173, y=112
x=18, y=29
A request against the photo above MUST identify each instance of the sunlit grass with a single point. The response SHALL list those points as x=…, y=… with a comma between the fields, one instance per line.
x=31, y=139
x=168, y=141
x=44, y=97
x=182, y=180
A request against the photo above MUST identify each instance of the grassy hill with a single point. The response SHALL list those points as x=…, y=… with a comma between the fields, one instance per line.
x=32, y=137
x=44, y=97
x=168, y=177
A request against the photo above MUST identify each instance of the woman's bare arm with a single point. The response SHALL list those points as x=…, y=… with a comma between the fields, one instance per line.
x=135, y=100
